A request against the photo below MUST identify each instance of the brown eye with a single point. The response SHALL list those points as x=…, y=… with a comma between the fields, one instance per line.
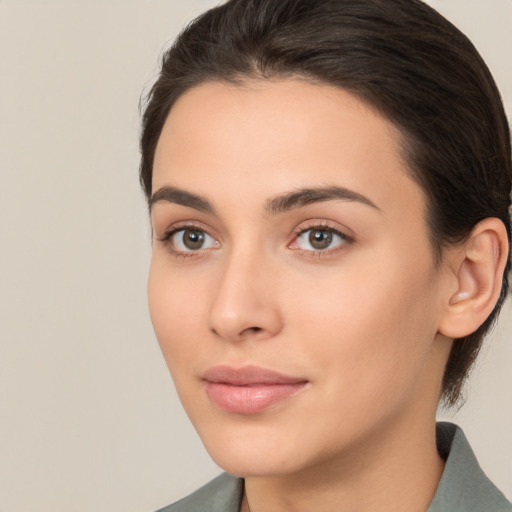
x=191, y=239
x=320, y=238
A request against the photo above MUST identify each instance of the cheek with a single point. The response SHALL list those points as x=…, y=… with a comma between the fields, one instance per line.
x=174, y=306
x=370, y=324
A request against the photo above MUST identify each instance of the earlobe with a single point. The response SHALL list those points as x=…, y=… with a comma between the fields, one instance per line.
x=479, y=271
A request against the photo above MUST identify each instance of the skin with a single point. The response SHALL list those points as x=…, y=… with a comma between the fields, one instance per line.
x=361, y=321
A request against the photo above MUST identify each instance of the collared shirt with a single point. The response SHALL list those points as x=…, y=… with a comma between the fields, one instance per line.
x=463, y=486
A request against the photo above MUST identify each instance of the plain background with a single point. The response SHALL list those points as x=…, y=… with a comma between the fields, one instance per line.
x=89, y=421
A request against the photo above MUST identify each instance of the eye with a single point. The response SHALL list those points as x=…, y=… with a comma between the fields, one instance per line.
x=190, y=240
x=319, y=239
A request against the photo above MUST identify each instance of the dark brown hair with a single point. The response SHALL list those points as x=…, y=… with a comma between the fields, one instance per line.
x=401, y=57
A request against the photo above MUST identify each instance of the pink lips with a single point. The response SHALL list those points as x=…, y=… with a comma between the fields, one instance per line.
x=248, y=390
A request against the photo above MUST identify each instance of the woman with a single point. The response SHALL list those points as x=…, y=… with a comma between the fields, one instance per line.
x=328, y=184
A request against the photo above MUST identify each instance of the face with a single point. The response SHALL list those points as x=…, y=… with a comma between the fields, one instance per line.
x=292, y=287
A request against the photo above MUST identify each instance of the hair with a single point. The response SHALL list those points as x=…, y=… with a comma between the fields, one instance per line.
x=399, y=56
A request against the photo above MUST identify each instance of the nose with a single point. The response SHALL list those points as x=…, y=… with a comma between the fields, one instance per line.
x=245, y=304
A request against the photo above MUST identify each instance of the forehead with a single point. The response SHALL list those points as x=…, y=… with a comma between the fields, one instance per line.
x=265, y=136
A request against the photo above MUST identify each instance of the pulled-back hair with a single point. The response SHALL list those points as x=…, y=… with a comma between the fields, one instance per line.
x=399, y=56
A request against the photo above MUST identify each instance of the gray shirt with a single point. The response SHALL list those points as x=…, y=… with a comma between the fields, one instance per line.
x=463, y=486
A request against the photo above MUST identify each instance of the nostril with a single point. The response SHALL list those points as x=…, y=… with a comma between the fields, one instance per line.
x=252, y=330
x=248, y=331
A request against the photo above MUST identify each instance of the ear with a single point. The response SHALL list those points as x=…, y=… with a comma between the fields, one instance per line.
x=478, y=269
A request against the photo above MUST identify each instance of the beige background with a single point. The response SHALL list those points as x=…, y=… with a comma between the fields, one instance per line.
x=89, y=420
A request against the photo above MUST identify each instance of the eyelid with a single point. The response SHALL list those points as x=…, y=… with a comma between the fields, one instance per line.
x=185, y=224
x=343, y=230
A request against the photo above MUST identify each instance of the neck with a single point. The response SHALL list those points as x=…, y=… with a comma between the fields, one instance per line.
x=396, y=470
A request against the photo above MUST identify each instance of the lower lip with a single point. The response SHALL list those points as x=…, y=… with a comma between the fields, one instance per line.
x=250, y=399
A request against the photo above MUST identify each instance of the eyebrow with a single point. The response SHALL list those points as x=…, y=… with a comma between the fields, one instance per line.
x=178, y=196
x=281, y=203
x=306, y=196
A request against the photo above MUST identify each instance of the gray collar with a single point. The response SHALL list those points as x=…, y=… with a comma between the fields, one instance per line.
x=463, y=486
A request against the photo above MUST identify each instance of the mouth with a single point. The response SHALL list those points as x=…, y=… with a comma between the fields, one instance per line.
x=250, y=389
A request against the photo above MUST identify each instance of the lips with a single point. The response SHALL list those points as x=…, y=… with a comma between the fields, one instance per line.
x=249, y=390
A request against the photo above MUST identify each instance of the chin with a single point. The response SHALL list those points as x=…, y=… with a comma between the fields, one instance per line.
x=253, y=450
x=250, y=464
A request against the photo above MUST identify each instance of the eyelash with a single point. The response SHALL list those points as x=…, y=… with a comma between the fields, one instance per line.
x=322, y=226
x=325, y=227
x=167, y=237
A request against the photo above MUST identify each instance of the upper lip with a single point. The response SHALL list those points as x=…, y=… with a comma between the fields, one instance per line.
x=247, y=376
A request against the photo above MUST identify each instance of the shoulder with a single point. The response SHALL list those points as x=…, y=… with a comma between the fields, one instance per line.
x=463, y=486
x=222, y=494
